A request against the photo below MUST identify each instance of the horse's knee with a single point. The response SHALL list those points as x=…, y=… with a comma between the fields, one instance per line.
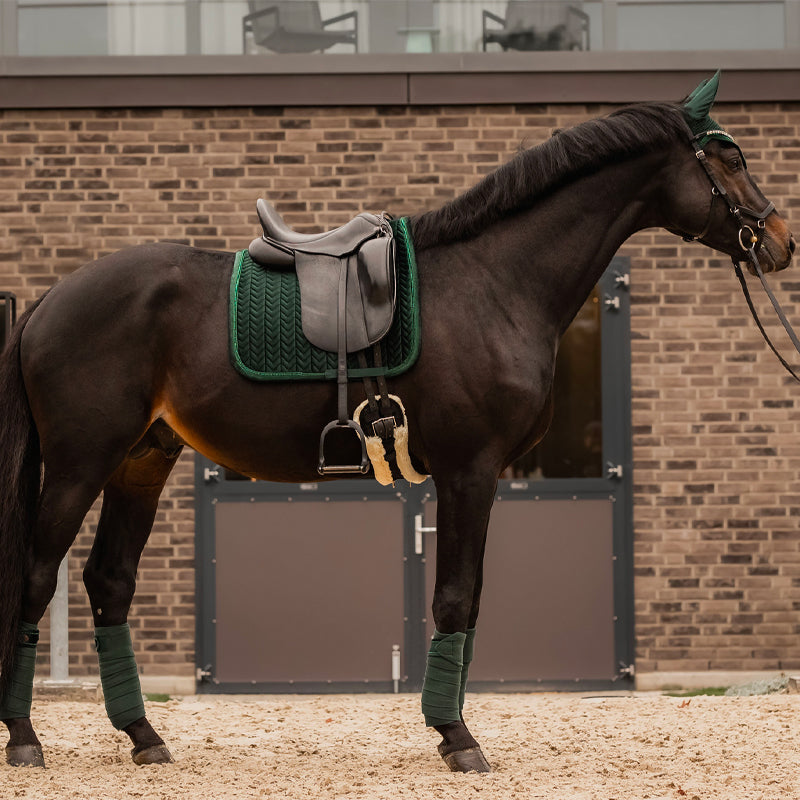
x=451, y=608
x=110, y=594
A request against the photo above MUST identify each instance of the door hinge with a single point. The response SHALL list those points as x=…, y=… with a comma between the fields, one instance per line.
x=613, y=470
x=211, y=474
x=611, y=303
x=625, y=671
x=622, y=280
x=203, y=673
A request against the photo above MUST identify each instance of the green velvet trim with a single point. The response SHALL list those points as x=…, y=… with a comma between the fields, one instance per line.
x=442, y=686
x=16, y=704
x=119, y=675
x=469, y=652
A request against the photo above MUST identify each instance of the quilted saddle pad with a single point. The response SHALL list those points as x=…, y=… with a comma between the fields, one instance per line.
x=266, y=336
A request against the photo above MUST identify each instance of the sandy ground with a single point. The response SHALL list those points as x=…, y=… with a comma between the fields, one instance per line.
x=376, y=747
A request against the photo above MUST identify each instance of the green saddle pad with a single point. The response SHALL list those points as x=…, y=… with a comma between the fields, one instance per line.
x=266, y=335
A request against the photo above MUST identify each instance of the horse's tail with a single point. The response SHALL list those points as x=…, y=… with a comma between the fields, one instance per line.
x=19, y=491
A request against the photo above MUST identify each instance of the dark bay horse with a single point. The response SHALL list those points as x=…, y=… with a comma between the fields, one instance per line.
x=127, y=359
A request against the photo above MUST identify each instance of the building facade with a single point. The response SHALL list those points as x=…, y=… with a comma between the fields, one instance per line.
x=93, y=160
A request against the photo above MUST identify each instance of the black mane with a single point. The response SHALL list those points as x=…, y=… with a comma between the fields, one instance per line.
x=536, y=172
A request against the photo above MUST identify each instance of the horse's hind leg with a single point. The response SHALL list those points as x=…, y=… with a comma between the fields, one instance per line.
x=130, y=500
x=63, y=504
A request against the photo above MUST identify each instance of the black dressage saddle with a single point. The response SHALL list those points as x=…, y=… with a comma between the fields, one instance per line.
x=347, y=284
x=364, y=246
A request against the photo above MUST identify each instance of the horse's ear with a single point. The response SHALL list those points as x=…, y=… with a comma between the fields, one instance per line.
x=697, y=106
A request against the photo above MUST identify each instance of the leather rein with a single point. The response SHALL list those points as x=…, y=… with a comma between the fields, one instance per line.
x=749, y=241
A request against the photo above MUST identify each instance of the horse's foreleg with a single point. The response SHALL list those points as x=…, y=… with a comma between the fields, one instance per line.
x=464, y=503
x=130, y=501
x=63, y=504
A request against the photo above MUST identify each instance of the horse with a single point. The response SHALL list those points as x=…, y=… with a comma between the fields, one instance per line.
x=122, y=363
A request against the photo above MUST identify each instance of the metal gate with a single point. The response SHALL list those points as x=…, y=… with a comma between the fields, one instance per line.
x=326, y=587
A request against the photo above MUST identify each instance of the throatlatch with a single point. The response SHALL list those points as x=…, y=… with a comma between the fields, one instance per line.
x=16, y=703
x=119, y=675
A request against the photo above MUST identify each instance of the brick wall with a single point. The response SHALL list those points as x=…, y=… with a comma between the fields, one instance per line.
x=716, y=448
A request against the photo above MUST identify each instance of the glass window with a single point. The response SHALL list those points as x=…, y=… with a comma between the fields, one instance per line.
x=270, y=27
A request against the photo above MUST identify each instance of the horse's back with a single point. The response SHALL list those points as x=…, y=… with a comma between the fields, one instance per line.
x=119, y=293
x=109, y=331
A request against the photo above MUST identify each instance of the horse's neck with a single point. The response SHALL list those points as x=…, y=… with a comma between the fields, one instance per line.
x=569, y=238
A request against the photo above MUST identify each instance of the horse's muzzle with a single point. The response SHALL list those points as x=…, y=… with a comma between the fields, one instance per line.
x=775, y=255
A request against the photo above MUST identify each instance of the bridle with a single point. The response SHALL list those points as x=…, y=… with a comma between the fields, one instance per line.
x=749, y=240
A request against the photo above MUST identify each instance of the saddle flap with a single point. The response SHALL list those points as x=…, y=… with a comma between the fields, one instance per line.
x=371, y=291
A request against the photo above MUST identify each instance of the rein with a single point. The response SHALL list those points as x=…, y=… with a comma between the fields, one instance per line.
x=748, y=241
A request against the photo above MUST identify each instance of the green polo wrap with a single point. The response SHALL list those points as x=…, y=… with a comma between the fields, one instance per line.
x=119, y=675
x=442, y=686
x=17, y=701
x=469, y=652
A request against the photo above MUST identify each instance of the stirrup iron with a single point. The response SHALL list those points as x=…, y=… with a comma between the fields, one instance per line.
x=333, y=469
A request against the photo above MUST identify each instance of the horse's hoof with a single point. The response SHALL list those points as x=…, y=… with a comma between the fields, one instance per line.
x=469, y=760
x=155, y=754
x=25, y=755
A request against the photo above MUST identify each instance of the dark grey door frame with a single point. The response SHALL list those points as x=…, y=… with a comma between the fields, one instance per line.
x=616, y=486
x=8, y=312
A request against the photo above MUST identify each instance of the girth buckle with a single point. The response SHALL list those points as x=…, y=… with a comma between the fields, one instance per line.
x=384, y=427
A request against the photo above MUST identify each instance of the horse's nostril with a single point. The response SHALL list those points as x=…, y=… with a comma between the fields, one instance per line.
x=792, y=245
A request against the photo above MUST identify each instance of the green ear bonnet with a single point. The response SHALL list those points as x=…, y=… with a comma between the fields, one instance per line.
x=696, y=111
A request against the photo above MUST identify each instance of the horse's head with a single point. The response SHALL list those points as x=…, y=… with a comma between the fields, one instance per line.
x=720, y=204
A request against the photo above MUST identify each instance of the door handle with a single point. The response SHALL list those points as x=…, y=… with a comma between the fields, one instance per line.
x=418, y=531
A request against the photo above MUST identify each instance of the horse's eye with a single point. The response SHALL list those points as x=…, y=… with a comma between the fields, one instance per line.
x=735, y=164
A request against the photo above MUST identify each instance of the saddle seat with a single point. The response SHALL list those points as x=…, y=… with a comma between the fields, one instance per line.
x=276, y=247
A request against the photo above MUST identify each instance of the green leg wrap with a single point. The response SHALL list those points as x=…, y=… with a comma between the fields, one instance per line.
x=119, y=675
x=17, y=702
x=442, y=686
x=469, y=652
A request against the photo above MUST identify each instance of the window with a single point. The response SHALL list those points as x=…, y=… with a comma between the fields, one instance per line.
x=216, y=27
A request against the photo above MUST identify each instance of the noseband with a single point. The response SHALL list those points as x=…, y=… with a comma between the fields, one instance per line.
x=749, y=240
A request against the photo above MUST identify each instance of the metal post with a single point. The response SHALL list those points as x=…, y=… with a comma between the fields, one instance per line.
x=194, y=40
x=8, y=29
x=59, y=626
x=791, y=11
x=610, y=24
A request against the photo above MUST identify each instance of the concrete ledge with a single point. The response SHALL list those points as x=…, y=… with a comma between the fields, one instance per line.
x=657, y=681
x=88, y=688
x=168, y=684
